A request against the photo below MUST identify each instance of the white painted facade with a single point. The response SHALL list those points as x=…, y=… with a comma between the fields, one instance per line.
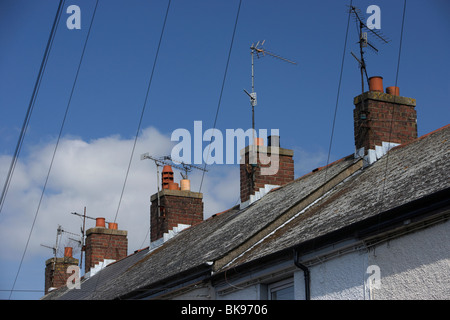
x=413, y=266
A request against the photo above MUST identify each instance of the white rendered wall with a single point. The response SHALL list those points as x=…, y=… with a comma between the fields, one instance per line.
x=415, y=266
x=248, y=293
x=335, y=279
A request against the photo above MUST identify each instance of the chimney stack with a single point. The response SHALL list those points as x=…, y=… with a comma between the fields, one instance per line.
x=256, y=175
x=104, y=243
x=174, y=206
x=382, y=120
x=56, y=270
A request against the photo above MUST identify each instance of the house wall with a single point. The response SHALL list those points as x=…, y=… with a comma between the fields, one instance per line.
x=339, y=278
x=249, y=293
x=413, y=266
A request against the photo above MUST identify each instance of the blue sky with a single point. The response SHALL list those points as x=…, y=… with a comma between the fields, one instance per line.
x=91, y=161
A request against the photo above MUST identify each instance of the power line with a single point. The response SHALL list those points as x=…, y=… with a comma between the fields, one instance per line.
x=139, y=126
x=338, y=91
x=31, y=104
x=143, y=109
x=218, y=103
x=393, y=105
x=55, y=149
x=223, y=84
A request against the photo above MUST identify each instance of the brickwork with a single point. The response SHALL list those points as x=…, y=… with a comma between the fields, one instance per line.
x=56, y=272
x=283, y=175
x=176, y=207
x=103, y=243
x=383, y=118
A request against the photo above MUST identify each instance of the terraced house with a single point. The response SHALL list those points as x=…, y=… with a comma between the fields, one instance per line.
x=372, y=225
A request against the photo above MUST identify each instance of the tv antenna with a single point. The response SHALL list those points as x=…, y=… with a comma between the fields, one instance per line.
x=167, y=160
x=185, y=167
x=364, y=43
x=258, y=50
x=178, y=164
x=59, y=233
x=83, y=231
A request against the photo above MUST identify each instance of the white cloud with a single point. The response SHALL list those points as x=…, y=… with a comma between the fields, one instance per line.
x=91, y=174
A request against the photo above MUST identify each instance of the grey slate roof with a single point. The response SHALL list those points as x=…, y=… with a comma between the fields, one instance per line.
x=412, y=171
x=407, y=173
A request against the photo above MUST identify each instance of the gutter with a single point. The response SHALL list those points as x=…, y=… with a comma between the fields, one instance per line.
x=171, y=284
x=306, y=274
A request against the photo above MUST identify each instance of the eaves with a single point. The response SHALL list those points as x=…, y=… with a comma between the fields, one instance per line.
x=171, y=285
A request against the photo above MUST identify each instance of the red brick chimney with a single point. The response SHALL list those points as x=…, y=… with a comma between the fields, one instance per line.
x=274, y=166
x=174, y=206
x=56, y=274
x=104, y=243
x=382, y=120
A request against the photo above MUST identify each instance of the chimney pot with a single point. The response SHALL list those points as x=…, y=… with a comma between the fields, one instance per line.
x=376, y=84
x=173, y=186
x=167, y=176
x=395, y=91
x=68, y=252
x=185, y=185
x=259, y=141
x=100, y=222
x=112, y=225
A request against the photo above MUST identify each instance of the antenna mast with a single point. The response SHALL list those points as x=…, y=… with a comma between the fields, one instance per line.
x=167, y=160
x=83, y=232
x=259, y=50
x=363, y=43
x=59, y=232
x=55, y=250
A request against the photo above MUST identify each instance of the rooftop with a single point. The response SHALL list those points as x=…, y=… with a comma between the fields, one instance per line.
x=327, y=200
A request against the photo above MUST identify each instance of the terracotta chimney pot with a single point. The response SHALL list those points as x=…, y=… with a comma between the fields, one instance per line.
x=112, y=225
x=259, y=142
x=395, y=91
x=100, y=222
x=376, y=84
x=68, y=252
